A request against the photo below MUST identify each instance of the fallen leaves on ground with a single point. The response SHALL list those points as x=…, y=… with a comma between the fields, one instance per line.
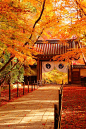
x=74, y=108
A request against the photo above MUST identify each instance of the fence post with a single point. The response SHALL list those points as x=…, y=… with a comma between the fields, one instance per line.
x=17, y=89
x=44, y=81
x=59, y=103
x=34, y=84
x=56, y=117
x=37, y=84
x=32, y=87
x=0, y=94
x=23, y=87
x=28, y=86
x=9, y=91
x=59, y=110
x=41, y=82
x=62, y=81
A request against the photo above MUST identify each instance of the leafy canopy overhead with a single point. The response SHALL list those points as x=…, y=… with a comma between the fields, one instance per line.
x=23, y=22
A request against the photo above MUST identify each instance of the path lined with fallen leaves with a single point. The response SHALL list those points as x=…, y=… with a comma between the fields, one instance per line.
x=32, y=111
x=74, y=108
x=13, y=94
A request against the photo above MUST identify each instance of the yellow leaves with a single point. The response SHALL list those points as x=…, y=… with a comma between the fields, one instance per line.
x=30, y=61
x=23, y=58
x=70, y=55
x=32, y=2
x=20, y=15
x=78, y=27
x=54, y=76
x=82, y=5
x=30, y=72
x=47, y=35
x=73, y=15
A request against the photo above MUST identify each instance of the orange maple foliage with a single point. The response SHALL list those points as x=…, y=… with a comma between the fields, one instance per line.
x=23, y=22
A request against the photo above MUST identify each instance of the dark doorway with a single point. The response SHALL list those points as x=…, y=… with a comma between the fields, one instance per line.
x=31, y=79
x=75, y=77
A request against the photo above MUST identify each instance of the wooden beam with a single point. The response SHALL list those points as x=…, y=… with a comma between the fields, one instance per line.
x=40, y=63
x=38, y=70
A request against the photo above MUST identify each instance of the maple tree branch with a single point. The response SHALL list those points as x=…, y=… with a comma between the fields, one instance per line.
x=9, y=72
x=80, y=7
x=40, y=15
x=30, y=36
x=39, y=35
x=7, y=63
x=43, y=30
x=38, y=18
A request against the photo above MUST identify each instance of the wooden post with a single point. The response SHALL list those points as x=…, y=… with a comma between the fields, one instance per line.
x=59, y=103
x=37, y=84
x=9, y=91
x=0, y=94
x=60, y=97
x=56, y=117
x=23, y=87
x=60, y=49
x=38, y=70
x=34, y=84
x=68, y=75
x=32, y=87
x=28, y=86
x=62, y=81
x=17, y=89
x=41, y=82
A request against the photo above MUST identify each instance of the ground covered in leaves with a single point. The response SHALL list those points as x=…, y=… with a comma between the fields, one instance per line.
x=74, y=108
x=13, y=94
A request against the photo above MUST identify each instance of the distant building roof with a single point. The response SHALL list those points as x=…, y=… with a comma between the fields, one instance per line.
x=53, y=47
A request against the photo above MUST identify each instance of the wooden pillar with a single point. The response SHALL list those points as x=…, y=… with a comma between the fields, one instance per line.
x=60, y=49
x=30, y=80
x=70, y=74
x=38, y=70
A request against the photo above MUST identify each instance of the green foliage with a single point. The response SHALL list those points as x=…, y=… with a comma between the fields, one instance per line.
x=16, y=74
x=26, y=5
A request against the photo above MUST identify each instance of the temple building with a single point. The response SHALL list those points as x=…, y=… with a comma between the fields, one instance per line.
x=49, y=48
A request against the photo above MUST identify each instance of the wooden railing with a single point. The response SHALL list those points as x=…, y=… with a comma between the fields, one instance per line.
x=18, y=90
x=58, y=110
